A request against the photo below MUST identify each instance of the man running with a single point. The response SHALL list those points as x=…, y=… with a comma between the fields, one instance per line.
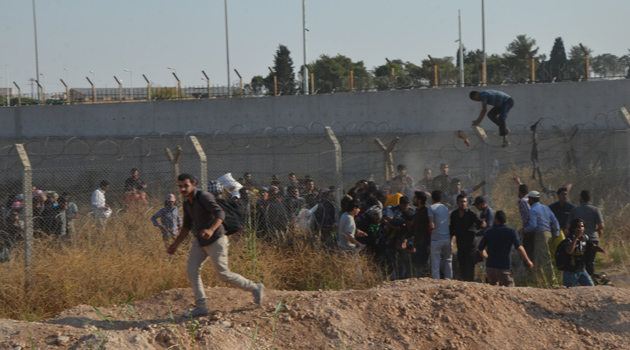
x=502, y=104
x=202, y=209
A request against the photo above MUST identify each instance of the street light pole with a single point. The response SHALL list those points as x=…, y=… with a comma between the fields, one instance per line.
x=461, y=51
x=36, y=53
x=483, y=43
x=6, y=73
x=227, y=48
x=304, y=68
x=130, y=82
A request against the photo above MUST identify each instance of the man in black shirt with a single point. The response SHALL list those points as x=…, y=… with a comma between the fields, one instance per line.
x=576, y=246
x=463, y=226
x=202, y=209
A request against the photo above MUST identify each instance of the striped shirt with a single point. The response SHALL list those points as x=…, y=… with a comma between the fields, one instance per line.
x=523, y=208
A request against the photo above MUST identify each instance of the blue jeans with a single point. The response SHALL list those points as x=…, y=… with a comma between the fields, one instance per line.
x=441, y=259
x=571, y=279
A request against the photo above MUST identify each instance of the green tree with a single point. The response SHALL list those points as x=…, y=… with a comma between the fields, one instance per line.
x=257, y=86
x=283, y=70
x=473, y=61
x=577, y=62
x=557, y=63
x=608, y=65
x=383, y=76
x=517, y=61
x=448, y=74
x=333, y=74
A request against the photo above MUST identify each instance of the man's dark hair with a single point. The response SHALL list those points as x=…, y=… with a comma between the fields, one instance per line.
x=184, y=177
x=436, y=196
x=403, y=200
x=350, y=205
x=574, y=224
x=291, y=174
x=408, y=214
x=245, y=175
x=500, y=217
x=454, y=181
x=371, y=201
x=104, y=183
x=65, y=194
x=460, y=196
x=401, y=167
x=562, y=189
x=585, y=195
x=523, y=189
x=291, y=188
x=133, y=170
x=473, y=94
x=421, y=197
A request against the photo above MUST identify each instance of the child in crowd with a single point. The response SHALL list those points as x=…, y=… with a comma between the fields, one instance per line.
x=170, y=220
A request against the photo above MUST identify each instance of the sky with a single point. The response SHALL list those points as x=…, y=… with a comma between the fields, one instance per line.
x=148, y=36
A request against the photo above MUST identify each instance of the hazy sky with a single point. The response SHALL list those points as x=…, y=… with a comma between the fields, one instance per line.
x=146, y=37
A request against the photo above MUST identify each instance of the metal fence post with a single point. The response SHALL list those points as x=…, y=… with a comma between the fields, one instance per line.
x=27, y=189
x=203, y=162
x=625, y=117
x=388, y=157
x=338, y=165
x=175, y=166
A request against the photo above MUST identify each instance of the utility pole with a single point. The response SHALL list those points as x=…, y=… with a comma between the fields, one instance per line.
x=304, y=68
x=461, y=51
x=483, y=42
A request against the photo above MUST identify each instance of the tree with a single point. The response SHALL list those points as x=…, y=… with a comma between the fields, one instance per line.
x=577, y=62
x=608, y=65
x=333, y=73
x=517, y=60
x=283, y=70
x=557, y=63
x=257, y=86
x=383, y=76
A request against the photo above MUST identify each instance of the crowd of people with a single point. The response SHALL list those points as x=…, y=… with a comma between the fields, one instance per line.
x=410, y=228
x=428, y=229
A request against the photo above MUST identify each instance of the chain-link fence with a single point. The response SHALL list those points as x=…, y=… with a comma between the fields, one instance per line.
x=591, y=156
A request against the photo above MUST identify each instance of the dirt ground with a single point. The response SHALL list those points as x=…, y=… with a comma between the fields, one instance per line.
x=408, y=314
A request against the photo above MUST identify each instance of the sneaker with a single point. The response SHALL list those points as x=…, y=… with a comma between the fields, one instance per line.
x=505, y=143
x=258, y=293
x=198, y=311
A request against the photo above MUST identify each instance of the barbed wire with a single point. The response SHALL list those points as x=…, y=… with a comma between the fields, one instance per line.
x=239, y=136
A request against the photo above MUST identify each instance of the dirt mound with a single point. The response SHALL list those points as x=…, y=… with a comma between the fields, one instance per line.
x=409, y=314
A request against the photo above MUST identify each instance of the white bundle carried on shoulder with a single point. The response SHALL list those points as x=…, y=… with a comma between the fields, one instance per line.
x=230, y=184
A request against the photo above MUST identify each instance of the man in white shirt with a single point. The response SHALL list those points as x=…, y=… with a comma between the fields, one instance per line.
x=100, y=208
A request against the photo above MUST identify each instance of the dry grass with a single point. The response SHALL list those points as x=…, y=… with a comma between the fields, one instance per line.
x=129, y=259
x=609, y=194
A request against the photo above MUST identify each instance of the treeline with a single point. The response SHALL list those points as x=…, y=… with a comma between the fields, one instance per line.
x=340, y=73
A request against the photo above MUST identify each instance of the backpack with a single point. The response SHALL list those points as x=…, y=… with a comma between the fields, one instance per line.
x=234, y=217
x=563, y=260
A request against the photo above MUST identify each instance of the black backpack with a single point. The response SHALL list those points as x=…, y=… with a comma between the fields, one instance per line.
x=563, y=260
x=234, y=217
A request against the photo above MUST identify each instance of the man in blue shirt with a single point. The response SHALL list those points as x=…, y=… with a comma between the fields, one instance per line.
x=542, y=225
x=502, y=104
x=496, y=247
x=441, y=249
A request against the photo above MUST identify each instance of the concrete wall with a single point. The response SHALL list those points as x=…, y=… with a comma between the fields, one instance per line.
x=423, y=110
